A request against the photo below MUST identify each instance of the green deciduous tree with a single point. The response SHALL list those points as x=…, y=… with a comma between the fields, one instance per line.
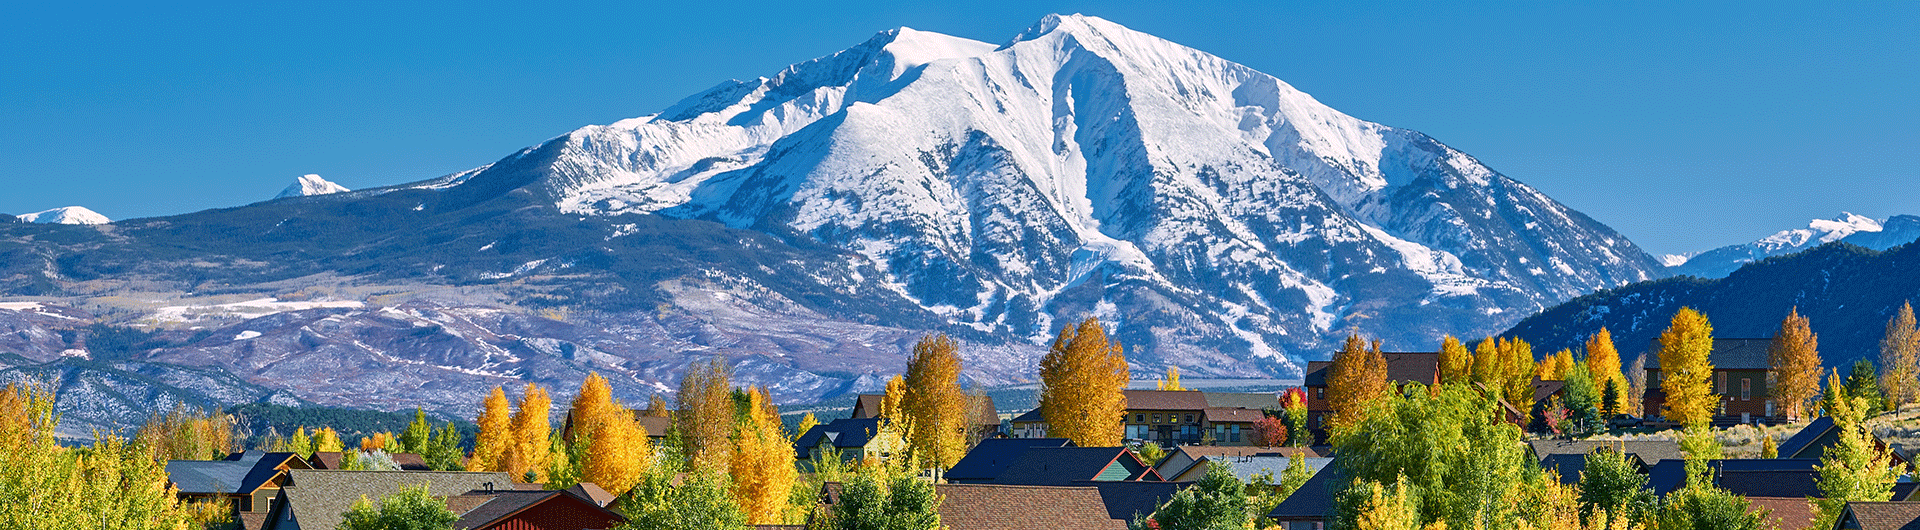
x=1612, y=487
x=880, y=499
x=1217, y=501
x=701, y=500
x=1459, y=461
x=112, y=485
x=414, y=439
x=412, y=508
x=1854, y=468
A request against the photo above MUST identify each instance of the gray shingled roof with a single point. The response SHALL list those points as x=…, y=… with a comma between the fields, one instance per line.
x=1245, y=467
x=1313, y=501
x=318, y=497
x=1728, y=354
x=1237, y=400
x=1883, y=515
x=239, y=473
x=1649, y=452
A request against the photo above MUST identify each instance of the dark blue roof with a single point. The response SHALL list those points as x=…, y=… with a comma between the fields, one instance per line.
x=1314, y=499
x=1803, y=442
x=1568, y=466
x=238, y=473
x=993, y=455
x=843, y=433
x=1124, y=500
x=1753, y=477
x=1065, y=466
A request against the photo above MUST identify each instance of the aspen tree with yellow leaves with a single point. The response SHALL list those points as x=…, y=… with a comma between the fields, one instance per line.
x=1603, y=361
x=1686, y=372
x=532, y=425
x=1519, y=363
x=762, y=463
x=492, y=442
x=934, y=403
x=1456, y=365
x=807, y=423
x=1357, y=378
x=1899, y=358
x=1172, y=381
x=1081, y=379
x=1795, y=357
x=618, y=451
x=1487, y=365
x=705, y=419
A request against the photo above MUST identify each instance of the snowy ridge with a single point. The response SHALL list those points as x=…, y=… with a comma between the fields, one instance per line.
x=1083, y=167
x=69, y=215
x=1877, y=234
x=308, y=185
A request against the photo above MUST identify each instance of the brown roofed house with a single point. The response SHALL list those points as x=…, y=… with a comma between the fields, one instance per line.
x=1879, y=516
x=528, y=510
x=1010, y=507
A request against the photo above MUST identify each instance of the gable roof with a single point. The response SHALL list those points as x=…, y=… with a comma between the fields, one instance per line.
x=843, y=433
x=992, y=456
x=866, y=406
x=1728, y=354
x=1402, y=367
x=656, y=426
x=986, y=413
x=1313, y=500
x=1881, y=516
x=1753, y=477
x=1245, y=467
x=1567, y=466
x=1072, y=466
x=500, y=505
x=1788, y=513
x=1165, y=399
x=239, y=473
x=1236, y=415
x=1185, y=456
x=1126, y=499
x=1012, y=507
x=318, y=497
x=1649, y=452
x=592, y=492
x=1243, y=400
x=1803, y=442
x=1031, y=416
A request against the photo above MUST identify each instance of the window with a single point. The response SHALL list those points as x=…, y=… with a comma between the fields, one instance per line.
x=1234, y=436
x=1746, y=389
x=1139, y=418
x=1189, y=418
x=1720, y=382
x=1156, y=418
x=1320, y=392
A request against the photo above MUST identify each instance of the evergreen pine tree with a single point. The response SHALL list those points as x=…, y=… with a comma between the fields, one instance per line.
x=1863, y=384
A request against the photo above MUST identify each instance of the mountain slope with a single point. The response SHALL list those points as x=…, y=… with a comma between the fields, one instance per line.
x=1855, y=229
x=308, y=185
x=66, y=215
x=1847, y=292
x=809, y=226
x=1086, y=168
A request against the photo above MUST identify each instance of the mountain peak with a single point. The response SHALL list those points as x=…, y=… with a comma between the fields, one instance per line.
x=68, y=215
x=1849, y=227
x=308, y=185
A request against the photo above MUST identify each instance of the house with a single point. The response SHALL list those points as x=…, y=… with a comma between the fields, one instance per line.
x=852, y=439
x=986, y=417
x=592, y=492
x=1168, y=417
x=1246, y=467
x=987, y=460
x=250, y=480
x=1029, y=424
x=1813, y=440
x=1007, y=507
x=315, y=499
x=1232, y=426
x=1183, y=457
x=530, y=509
x=1402, y=368
x=1879, y=516
x=1308, y=506
x=656, y=426
x=1075, y=466
x=1646, y=453
x=1740, y=374
x=336, y=460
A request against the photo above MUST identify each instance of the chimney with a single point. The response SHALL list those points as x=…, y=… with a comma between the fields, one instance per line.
x=489, y=487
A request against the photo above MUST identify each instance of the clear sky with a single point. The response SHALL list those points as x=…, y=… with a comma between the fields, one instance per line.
x=1684, y=125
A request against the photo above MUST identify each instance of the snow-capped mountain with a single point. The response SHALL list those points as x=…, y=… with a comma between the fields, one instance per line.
x=1224, y=220
x=310, y=184
x=69, y=215
x=1856, y=229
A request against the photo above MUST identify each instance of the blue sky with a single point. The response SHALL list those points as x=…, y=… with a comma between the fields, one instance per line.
x=1682, y=126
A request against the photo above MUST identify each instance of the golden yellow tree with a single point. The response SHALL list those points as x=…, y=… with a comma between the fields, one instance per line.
x=1357, y=378
x=1172, y=381
x=618, y=451
x=1517, y=358
x=807, y=423
x=1456, y=365
x=593, y=406
x=1488, y=366
x=495, y=439
x=1081, y=379
x=532, y=425
x=1603, y=361
x=1900, y=357
x=657, y=407
x=705, y=418
x=1686, y=372
x=934, y=402
x=893, y=400
x=325, y=439
x=1554, y=368
x=762, y=463
x=1795, y=357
